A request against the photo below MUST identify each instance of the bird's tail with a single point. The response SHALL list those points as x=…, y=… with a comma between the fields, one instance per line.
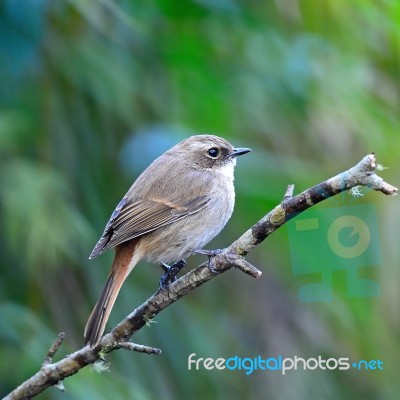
x=122, y=266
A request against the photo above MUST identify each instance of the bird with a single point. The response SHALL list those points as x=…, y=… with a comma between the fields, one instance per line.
x=179, y=203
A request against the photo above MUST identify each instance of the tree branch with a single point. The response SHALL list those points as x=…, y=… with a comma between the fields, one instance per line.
x=362, y=174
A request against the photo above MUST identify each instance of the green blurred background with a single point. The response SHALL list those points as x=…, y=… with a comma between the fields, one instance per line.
x=93, y=90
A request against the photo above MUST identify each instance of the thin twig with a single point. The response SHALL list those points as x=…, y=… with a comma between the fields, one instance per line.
x=137, y=347
x=53, y=349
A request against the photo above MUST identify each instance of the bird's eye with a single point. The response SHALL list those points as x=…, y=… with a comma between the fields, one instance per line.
x=213, y=152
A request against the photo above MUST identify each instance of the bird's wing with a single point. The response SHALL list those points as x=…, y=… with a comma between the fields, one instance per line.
x=133, y=219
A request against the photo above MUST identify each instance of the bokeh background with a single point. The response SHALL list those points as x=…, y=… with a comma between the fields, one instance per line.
x=92, y=91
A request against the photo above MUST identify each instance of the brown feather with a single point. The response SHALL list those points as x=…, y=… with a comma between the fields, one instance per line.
x=119, y=271
x=144, y=216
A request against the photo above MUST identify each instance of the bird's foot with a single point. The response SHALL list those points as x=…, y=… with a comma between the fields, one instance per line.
x=211, y=254
x=170, y=273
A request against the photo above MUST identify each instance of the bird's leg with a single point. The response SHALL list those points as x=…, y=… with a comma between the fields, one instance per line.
x=211, y=254
x=170, y=273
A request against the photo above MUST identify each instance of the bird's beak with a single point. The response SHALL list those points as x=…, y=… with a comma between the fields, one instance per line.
x=238, y=152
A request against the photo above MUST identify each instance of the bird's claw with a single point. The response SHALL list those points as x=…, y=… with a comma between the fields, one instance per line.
x=211, y=254
x=170, y=273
